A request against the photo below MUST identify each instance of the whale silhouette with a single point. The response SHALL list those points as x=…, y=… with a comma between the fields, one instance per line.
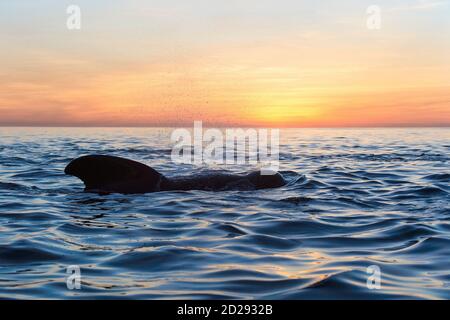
x=109, y=174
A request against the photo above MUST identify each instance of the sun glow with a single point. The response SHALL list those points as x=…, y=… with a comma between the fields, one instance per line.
x=189, y=63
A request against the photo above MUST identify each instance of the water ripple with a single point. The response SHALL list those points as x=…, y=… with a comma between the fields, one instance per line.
x=354, y=198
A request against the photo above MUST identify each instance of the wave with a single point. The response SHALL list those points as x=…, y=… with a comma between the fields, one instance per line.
x=353, y=199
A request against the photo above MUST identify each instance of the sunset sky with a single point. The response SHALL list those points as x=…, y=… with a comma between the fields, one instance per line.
x=278, y=63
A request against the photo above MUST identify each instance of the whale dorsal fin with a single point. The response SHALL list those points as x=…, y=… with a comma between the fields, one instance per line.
x=102, y=173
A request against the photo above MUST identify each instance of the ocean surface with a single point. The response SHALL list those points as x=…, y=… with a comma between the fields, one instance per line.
x=355, y=198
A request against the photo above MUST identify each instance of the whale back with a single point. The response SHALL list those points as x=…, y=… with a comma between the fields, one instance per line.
x=107, y=174
x=269, y=181
x=224, y=182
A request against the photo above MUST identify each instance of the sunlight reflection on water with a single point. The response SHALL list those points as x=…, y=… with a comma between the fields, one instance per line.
x=355, y=198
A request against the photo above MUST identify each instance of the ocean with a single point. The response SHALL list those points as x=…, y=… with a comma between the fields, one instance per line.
x=357, y=200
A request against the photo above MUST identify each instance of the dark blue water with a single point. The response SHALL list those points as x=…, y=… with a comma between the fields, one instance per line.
x=355, y=198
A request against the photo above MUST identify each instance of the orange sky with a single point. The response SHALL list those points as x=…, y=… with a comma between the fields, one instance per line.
x=143, y=63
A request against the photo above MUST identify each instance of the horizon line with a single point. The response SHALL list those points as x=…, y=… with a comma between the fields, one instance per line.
x=405, y=126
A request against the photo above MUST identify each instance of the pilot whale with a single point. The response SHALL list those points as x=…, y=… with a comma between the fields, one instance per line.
x=110, y=174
